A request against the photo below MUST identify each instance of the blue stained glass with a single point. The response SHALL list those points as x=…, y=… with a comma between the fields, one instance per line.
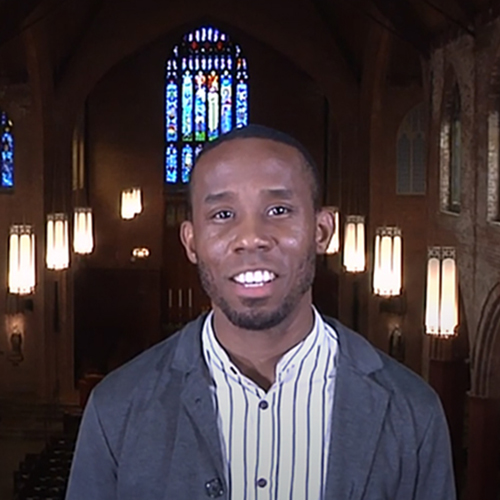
x=200, y=106
x=187, y=106
x=7, y=144
x=172, y=100
x=241, y=104
x=207, y=97
x=226, y=90
x=171, y=162
x=213, y=106
x=187, y=162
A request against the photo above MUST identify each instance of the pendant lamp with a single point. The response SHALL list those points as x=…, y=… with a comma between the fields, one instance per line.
x=83, y=237
x=57, y=256
x=334, y=244
x=387, y=262
x=354, y=244
x=131, y=203
x=21, y=277
x=441, y=311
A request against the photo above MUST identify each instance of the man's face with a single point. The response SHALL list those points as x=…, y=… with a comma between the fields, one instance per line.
x=254, y=232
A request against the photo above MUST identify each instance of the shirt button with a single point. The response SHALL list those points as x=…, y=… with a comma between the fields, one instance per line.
x=263, y=405
x=261, y=483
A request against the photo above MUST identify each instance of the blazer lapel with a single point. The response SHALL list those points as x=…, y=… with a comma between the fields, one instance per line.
x=359, y=409
x=197, y=400
x=194, y=386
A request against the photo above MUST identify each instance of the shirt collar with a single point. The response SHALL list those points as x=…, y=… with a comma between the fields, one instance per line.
x=217, y=358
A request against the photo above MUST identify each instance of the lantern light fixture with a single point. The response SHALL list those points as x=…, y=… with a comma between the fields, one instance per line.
x=83, y=237
x=354, y=244
x=131, y=203
x=441, y=312
x=57, y=252
x=22, y=276
x=334, y=243
x=387, y=262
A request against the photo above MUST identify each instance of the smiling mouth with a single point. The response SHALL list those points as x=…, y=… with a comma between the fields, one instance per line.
x=254, y=279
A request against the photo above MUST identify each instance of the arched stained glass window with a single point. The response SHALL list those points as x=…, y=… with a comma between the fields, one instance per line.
x=206, y=94
x=411, y=153
x=7, y=151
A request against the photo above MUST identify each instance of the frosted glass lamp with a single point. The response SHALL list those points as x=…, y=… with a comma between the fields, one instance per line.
x=387, y=262
x=334, y=244
x=57, y=252
x=354, y=244
x=441, y=305
x=21, y=276
x=83, y=237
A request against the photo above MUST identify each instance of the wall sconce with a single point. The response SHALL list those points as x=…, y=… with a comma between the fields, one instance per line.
x=334, y=243
x=15, y=356
x=57, y=255
x=83, y=237
x=354, y=244
x=397, y=344
x=22, y=276
x=387, y=262
x=140, y=253
x=131, y=203
x=441, y=313
x=14, y=326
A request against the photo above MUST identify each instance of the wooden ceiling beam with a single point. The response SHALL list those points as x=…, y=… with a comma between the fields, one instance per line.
x=12, y=16
x=324, y=12
x=406, y=23
x=468, y=7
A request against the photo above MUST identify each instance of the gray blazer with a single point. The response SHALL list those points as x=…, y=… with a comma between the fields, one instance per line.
x=149, y=430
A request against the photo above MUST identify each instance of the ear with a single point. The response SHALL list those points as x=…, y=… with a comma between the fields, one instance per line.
x=188, y=240
x=325, y=226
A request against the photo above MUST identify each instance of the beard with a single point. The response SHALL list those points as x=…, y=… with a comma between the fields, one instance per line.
x=253, y=317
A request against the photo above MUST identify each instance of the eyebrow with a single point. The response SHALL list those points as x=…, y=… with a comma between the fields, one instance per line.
x=284, y=194
x=216, y=197
x=281, y=193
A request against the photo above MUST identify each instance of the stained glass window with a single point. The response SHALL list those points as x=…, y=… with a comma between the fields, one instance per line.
x=206, y=94
x=7, y=151
x=410, y=153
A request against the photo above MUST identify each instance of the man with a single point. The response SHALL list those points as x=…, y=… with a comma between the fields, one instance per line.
x=262, y=398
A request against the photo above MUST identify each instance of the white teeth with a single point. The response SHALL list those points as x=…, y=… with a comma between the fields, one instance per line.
x=254, y=278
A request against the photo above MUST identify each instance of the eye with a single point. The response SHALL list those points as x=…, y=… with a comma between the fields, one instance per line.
x=222, y=215
x=279, y=210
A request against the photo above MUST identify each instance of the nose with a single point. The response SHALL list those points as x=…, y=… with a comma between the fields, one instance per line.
x=251, y=234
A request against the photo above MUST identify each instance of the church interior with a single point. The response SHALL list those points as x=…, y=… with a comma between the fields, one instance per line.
x=104, y=105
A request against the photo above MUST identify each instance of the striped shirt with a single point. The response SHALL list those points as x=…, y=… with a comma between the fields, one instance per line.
x=275, y=443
